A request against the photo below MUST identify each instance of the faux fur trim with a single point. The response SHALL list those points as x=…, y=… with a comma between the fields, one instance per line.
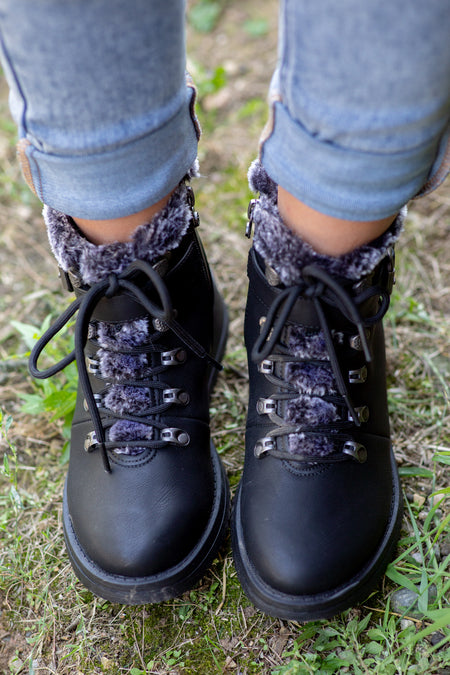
x=125, y=400
x=310, y=446
x=287, y=253
x=150, y=241
x=123, y=336
x=260, y=181
x=311, y=379
x=120, y=367
x=310, y=410
x=124, y=430
x=307, y=344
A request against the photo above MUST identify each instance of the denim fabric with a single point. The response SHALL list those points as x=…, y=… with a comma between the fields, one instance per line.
x=359, y=103
x=98, y=92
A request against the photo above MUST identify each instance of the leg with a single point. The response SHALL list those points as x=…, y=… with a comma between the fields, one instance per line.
x=360, y=106
x=105, y=124
x=109, y=141
x=318, y=510
x=118, y=229
x=327, y=234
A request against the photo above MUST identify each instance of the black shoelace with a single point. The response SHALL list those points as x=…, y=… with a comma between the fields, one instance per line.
x=322, y=289
x=164, y=314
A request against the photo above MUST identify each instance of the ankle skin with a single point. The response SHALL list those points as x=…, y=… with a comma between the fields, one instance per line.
x=118, y=229
x=326, y=234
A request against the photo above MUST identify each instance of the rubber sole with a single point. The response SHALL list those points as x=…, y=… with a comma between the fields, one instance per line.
x=321, y=605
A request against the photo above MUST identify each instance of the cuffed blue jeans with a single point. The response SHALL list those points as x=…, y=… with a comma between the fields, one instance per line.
x=359, y=103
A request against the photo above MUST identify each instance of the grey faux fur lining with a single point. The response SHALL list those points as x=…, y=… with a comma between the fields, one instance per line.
x=307, y=410
x=287, y=253
x=122, y=336
x=127, y=400
x=117, y=367
x=313, y=379
x=150, y=241
x=311, y=446
x=119, y=398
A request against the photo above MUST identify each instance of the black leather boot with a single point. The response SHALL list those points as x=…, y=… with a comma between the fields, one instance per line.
x=318, y=510
x=146, y=502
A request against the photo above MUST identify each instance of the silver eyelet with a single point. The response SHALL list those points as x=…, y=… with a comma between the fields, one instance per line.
x=358, y=376
x=272, y=276
x=356, y=342
x=265, y=406
x=338, y=337
x=355, y=450
x=263, y=446
x=90, y=441
x=176, y=436
x=98, y=400
x=176, y=396
x=173, y=358
x=362, y=413
x=195, y=219
x=92, y=365
x=160, y=325
x=266, y=367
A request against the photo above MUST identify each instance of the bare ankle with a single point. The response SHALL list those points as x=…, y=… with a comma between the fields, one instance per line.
x=118, y=229
x=326, y=234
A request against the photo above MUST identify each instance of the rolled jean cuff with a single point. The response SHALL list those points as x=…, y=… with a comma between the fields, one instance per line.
x=343, y=182
x=117, y=181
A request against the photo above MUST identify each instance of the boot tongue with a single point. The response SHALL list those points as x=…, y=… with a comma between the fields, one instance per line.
x=286, y=253
x=89, y=263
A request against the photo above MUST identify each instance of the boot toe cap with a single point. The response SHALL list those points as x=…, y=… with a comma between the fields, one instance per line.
x=140, y=521
x=308, y=568
x=141, y=546
x=307, y=543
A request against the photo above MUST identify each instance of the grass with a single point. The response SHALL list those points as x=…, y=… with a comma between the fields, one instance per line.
x=49, y=624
